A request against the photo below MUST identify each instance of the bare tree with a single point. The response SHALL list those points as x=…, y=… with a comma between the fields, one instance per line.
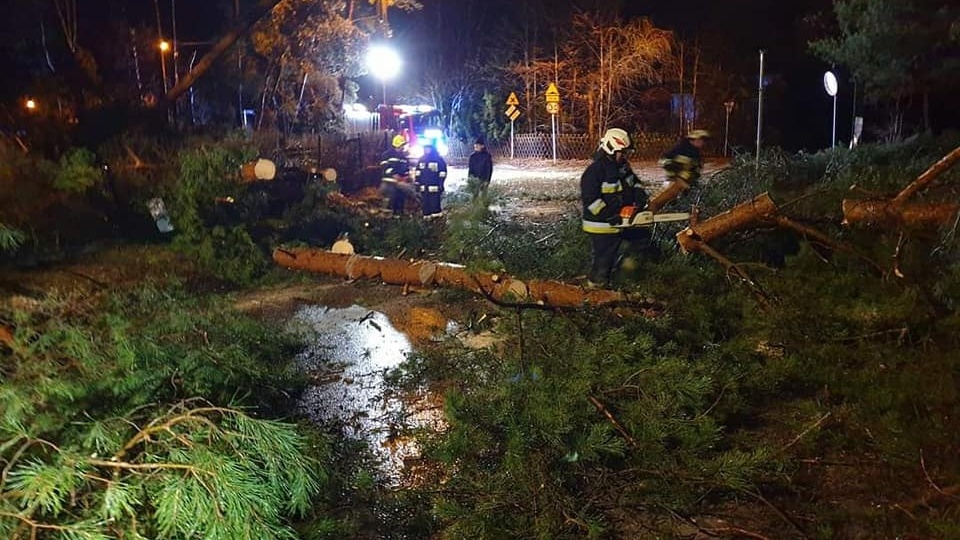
x=601, y=62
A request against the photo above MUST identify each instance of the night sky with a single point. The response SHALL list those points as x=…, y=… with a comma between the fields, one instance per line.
x=797, y=110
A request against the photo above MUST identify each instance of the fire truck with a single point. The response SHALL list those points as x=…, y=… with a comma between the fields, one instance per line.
x=420, y=124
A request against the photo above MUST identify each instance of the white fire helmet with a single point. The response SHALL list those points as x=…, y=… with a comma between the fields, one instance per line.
x=614, y=140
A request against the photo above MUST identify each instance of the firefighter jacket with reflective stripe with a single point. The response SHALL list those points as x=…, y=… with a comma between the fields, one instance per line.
x=394, y=166
x=605, y=187
x=431, y=172
x=683, y=161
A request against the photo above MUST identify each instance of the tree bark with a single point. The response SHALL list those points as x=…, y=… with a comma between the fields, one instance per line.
x=744, y=216
x=897, y=211
x=884, y=213
x=543, y=294
x=674, y=190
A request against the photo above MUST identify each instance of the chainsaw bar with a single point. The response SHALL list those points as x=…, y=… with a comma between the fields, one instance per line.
x=646, y=219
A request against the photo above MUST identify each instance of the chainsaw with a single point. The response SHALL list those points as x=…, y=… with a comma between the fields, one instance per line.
x=630, y=216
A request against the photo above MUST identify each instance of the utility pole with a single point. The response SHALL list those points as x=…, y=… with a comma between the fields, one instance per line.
x=726, y=130
x=760, y=110
x=236, y=21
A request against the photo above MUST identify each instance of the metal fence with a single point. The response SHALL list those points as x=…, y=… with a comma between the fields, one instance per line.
x=569, y=146
x=356, y=151
x=341, y=151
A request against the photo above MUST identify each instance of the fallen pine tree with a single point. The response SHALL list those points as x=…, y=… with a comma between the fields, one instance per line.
x=498, y=288
x=899, y=211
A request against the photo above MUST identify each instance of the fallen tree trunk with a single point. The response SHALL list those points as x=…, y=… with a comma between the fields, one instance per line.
x=897, y=212
x=670, y=193
x=744, y=216
x=886, y=213
x=499, y=288
x=761, y=211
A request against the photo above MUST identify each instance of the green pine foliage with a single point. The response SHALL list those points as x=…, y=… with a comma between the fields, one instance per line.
x=78, y=171
x=721, y=401
x=588, y=421
x=110, y=426
x=188, y=471
x=209, y=173
x=10, y=238
x=481, y=239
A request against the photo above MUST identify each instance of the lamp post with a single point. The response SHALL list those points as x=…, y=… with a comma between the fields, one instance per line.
x=384, y=63
x=164, y=47
x=728, y=105
x=759, y=109
x=30, y=104
x=831, y=86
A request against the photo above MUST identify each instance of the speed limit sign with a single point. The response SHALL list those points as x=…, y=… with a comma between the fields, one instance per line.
x=553, y=108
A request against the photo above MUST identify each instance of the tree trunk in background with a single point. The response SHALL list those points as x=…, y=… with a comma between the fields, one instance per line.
x=259, y=11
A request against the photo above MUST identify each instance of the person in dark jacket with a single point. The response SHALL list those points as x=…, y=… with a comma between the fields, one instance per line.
x=606, y=187
x=395, y=174
x=685, y=160
x=480, y=168
x=431, y=172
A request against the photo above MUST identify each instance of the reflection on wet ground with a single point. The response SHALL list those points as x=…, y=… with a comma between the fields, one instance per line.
x=351, y=351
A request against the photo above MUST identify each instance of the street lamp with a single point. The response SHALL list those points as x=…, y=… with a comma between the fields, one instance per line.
x=384, y=63
x=728, y=105
x=31, y=105
x=831, y=86
x=164, y=47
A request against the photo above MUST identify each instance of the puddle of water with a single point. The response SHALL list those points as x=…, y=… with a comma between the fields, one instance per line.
x=350, y=352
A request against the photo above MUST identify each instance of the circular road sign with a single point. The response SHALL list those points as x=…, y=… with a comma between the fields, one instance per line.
x=830, y=83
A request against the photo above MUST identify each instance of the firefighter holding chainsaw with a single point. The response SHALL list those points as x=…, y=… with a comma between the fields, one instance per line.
x=395, y=175
x=611, y=194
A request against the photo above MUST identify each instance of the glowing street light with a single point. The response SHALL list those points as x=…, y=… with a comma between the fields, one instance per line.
x=164, y=46
x=384, y=63
x=30, y=104
x=831, y=85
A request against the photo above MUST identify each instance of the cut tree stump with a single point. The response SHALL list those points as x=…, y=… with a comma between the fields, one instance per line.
x=497, y=287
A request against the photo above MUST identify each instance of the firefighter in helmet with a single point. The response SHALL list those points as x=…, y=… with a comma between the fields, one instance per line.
x=395, y=174
x=608, y=187
x=431, y=172
x=684, y=161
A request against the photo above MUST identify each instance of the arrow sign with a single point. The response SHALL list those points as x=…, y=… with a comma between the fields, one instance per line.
x=512, y=100
x=553, y=94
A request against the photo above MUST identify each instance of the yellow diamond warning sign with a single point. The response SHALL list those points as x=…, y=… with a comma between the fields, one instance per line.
x=512, y=112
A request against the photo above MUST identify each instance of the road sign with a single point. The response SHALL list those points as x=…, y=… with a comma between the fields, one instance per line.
x=512, y=100
x=512, y=112
x=553, y=95
x=553, y=108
